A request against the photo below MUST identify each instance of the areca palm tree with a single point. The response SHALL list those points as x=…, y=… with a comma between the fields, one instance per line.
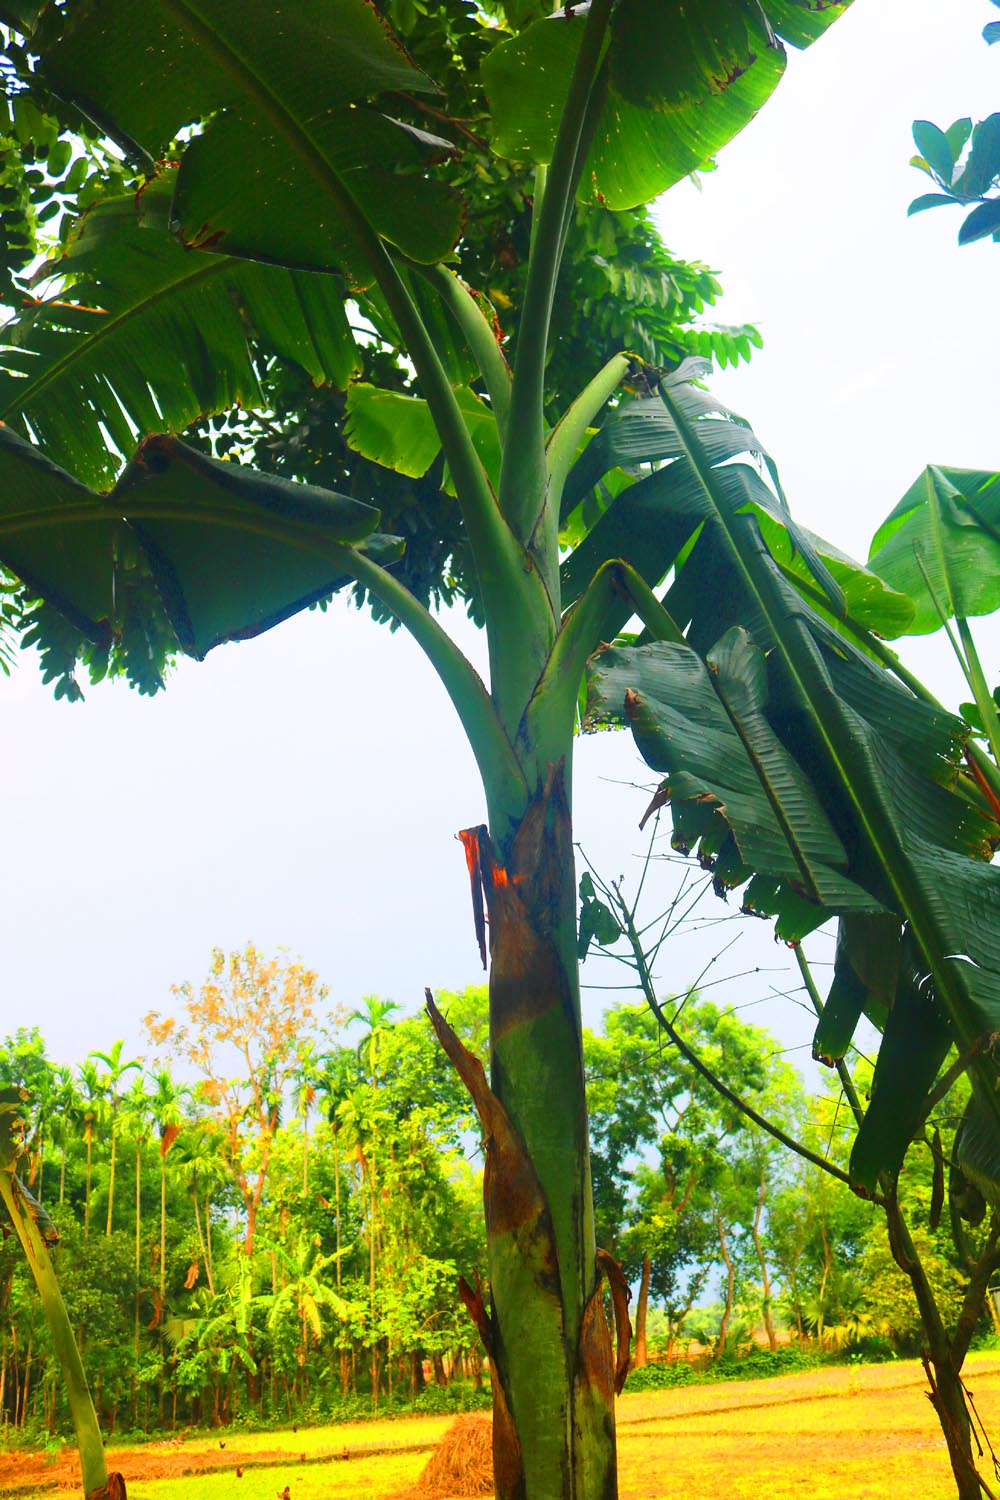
x=165, y=1105
x=116, y=1071
x=66, y=1116
x=92, y=1112
x=138, y=1120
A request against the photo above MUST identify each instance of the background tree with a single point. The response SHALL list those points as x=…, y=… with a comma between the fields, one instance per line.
x=116, y=1070
x=251, y=1012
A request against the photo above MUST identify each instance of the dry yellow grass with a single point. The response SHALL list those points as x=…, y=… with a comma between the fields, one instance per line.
x=839, y=1434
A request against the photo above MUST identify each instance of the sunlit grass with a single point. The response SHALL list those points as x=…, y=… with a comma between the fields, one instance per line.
x=865, y=1433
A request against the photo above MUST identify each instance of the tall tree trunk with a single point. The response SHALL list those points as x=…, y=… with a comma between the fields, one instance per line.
x=554, y=1374
x=720, y=1343
x=943, y=1369
x=138, y=1272
x=765, y=1280
x=640, y=1355
x=111, y=1174
x=336, y=1195
x=86, y=1189
x=163, y=1229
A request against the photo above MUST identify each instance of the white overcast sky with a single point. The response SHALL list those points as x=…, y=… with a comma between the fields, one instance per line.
x=304, y=789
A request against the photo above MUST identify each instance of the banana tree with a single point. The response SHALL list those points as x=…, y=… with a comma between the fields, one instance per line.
x=286, y=166
x=36, y=1233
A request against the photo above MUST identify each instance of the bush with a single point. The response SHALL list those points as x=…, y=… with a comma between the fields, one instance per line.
x=658, y=1377
x=759, y=1364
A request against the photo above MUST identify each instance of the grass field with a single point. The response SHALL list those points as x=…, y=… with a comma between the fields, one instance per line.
x=854, y=1434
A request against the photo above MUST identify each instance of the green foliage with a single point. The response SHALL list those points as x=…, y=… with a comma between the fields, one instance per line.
x=963, y=162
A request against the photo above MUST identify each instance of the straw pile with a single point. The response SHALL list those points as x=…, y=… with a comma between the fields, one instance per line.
x=462, y=1463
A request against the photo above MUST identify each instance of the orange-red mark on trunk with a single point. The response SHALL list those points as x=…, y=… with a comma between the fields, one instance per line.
x=470, y=839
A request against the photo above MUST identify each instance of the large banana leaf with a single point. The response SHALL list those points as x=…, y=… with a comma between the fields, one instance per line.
x=705, y=725
x=148, y=335
x=885, y=767
x=682, y=81
x=290, y=153
x=146, y=70
x=230, y=551
x=648, y=523
x=941, y=546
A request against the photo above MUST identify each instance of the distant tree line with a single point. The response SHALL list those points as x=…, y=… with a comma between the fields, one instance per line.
x=269, y=1221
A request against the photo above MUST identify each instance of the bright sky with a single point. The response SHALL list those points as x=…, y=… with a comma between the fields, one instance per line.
x=304, y=789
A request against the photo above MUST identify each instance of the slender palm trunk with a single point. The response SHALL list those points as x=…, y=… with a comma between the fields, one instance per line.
x=943, y=1369
x=765, y=1279
x=336, y=1196
x=138, y=1272
x=202, y=1245
x=554, y=1374
x=111, y=1174
x=163, y=1229
x=86, y=1190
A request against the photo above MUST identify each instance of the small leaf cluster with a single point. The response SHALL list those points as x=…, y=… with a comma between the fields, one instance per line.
x=964, y=164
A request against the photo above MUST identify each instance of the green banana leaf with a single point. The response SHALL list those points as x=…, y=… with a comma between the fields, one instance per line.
x=941, y=546
x=290, y=147
x=865, y=974
x=682, y=81
x=705, y=725
x=229, y=551
x=148, y=335
x=915, y=1042
x=885, y=767
x=397, y=430
x=270, y=208
x=650, y=522
x=312, y=54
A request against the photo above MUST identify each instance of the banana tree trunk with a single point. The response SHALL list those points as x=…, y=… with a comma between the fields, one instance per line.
x=545, y=1331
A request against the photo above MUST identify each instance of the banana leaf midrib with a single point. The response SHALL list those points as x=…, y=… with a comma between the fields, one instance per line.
x=83, y=349
x=228, y=517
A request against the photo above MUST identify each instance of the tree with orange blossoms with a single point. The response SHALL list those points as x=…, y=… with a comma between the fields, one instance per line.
x=244, y=1030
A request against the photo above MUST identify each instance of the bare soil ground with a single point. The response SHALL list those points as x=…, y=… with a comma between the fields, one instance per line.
x=865, y=1433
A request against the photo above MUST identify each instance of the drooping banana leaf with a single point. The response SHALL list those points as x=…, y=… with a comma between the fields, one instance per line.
x=865, y=974
x=914, y=1044
x=885, y=768
x=229, y=551
x=704, y=724
x=651, y=521
x=148, y=335
x=314, y=54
